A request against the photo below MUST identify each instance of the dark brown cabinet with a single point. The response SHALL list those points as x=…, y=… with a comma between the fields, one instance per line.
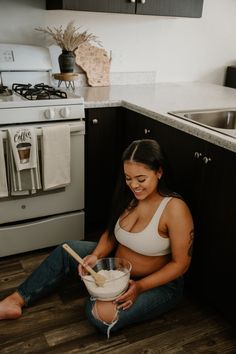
x=137, y=127
x=102, y=156
x=204, y=174
x=178, y=8
x=206, y=177
x=119, y=6
x=217, y=225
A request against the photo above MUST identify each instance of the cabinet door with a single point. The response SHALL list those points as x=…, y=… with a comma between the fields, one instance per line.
x=119, y=6
x=184, y=153
x=137, y=127
x=205, y=175
x=218, y=226
x=178, y=8
x=102, y=162
x=208, y=219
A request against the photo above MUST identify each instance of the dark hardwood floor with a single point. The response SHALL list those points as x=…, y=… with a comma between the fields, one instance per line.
x=57, y=324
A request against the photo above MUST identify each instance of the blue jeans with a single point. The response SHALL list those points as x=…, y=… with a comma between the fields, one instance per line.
x=60, y=264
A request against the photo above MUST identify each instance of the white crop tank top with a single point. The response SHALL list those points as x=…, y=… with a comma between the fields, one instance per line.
x=148, y=241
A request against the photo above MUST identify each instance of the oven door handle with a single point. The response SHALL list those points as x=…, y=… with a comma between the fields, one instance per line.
x=75, y=128
x=78, y=128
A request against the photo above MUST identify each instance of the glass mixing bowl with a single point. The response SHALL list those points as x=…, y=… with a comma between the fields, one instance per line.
x=117, y=273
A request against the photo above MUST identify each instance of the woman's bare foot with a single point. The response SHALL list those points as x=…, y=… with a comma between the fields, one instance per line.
x=11, y=307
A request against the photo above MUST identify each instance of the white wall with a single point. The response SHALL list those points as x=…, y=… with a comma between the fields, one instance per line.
x=177, y=49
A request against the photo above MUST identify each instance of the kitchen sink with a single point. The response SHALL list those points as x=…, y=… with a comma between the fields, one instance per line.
x=223, y=120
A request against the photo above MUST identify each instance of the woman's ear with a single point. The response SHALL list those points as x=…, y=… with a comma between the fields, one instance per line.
x=159, y=173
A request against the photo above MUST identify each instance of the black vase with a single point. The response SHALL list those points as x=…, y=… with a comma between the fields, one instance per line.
x=66, y=61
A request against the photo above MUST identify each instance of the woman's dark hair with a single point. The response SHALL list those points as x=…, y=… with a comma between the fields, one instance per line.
x=147, y=152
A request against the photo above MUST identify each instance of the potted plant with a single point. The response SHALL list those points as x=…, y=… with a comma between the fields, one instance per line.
x=68, y=39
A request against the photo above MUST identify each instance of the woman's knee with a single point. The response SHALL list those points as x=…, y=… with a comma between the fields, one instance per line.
x=105, y=311
x=102, y=316
x=83, y=248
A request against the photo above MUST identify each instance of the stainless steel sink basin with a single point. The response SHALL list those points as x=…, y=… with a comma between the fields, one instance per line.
x=223, y=120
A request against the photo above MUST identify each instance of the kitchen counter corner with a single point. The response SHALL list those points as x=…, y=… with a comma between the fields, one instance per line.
x=156, y=100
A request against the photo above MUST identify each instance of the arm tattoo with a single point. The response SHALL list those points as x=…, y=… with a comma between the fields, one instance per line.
x=190, y=250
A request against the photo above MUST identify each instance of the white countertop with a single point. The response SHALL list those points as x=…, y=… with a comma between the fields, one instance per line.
x=156, y=100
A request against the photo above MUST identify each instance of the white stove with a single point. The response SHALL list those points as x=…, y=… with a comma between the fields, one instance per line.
x=46, y=218
x=31, y=66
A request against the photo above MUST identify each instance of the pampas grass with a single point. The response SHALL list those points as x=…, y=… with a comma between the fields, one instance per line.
x=70, y=38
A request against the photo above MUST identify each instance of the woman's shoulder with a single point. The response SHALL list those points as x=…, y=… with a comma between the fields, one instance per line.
x=177, y=206
x=178, y=217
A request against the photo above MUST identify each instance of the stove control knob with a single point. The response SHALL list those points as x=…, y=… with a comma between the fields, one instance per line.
x=49, y=113
x=65, y=112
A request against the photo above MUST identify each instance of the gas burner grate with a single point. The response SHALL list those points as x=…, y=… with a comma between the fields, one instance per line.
x=38, y=91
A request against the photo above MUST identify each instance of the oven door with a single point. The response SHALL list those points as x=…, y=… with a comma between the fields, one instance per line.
x=47, y=218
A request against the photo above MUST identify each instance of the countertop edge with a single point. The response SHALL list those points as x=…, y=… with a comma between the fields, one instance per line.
x=206, y=134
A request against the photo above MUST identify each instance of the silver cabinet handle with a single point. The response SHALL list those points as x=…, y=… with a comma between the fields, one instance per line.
x=95, y=121
x=206, y=159
x=147, y=131
x=197, y=154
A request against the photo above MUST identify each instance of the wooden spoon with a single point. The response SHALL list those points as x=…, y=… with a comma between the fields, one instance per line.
x=99, y=278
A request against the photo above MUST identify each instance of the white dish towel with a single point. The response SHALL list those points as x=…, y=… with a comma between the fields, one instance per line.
x=55, y=147
x=3, y=178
